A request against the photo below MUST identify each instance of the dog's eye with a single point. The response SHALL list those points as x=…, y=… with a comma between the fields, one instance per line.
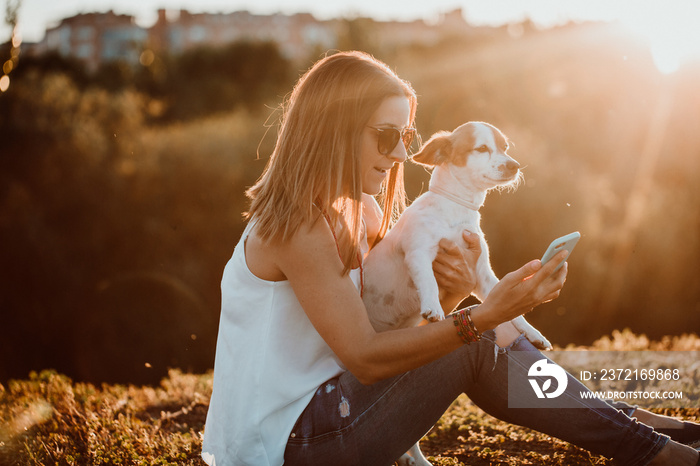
x=482, y=149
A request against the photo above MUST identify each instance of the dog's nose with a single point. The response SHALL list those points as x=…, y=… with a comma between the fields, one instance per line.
x=512, y=165
x=510, y=168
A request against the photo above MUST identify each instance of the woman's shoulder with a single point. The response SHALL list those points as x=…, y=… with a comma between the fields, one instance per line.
x=273, y=258
x=313, y=238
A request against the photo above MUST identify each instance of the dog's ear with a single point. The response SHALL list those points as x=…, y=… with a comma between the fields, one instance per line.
x=437, y=150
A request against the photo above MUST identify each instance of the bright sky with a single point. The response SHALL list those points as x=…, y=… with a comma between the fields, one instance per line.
x=36, y=15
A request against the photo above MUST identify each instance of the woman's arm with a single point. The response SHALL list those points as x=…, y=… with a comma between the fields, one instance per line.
x=310, y=262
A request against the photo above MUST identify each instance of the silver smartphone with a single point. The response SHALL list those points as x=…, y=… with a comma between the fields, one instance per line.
x=566, y=242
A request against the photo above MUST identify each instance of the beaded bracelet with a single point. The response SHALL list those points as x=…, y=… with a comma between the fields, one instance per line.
x=466, y=329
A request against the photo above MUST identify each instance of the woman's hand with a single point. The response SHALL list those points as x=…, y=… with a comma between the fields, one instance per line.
x=521, y=291
x=455, y=269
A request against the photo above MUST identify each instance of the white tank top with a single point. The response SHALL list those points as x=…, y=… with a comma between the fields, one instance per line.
x=269, y=362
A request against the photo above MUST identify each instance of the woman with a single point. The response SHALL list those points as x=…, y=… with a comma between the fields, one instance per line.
x=301, y=377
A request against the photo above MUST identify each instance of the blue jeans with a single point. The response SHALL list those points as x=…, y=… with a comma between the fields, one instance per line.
x=347, y=423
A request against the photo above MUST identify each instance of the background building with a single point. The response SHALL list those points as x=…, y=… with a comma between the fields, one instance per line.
x=295, y=34
x=96, y=38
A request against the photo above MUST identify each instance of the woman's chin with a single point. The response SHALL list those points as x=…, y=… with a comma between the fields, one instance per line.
x=373, y=187
x=373, y=184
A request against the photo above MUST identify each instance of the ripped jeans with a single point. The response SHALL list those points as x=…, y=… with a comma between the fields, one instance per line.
x=347, y=423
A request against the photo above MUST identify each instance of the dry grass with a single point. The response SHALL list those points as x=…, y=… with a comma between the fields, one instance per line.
x=49, y=419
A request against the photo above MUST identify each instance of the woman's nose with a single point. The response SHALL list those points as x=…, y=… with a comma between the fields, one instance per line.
x=399, y=154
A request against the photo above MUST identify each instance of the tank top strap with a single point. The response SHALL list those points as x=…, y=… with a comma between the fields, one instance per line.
x=248, y=228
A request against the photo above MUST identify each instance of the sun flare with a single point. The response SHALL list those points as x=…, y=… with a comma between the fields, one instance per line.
x=670, y=28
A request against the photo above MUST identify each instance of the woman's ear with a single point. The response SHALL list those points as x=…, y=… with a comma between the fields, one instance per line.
x=437, y=150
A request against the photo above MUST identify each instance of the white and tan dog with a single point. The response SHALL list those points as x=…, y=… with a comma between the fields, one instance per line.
x=401, y=288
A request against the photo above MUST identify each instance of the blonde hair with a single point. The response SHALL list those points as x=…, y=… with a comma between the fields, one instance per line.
x=316, y=158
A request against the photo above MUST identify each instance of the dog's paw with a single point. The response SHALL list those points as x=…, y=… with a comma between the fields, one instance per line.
x=539, y=341
x=406, y=460
x=433, y=315
x=533, y=335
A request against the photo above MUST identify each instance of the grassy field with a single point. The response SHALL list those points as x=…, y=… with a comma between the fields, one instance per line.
x=48, y=419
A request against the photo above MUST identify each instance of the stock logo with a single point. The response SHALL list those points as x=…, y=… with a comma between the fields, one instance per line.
x=543, y=368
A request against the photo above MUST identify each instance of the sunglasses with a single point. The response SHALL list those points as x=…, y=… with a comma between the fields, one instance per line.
x=388, y=138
